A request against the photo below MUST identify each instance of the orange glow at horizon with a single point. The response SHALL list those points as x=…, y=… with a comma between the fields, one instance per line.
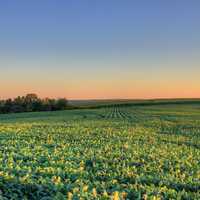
x=105, y=90
x=159, y=80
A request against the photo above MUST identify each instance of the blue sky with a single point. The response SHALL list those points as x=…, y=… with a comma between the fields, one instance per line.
x=98, y=40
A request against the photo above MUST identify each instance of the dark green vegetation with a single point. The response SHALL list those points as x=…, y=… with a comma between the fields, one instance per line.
x=131, y=102
x=32, y=103
x=126, y=152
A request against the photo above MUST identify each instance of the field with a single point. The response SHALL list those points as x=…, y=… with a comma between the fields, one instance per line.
x=119, y=152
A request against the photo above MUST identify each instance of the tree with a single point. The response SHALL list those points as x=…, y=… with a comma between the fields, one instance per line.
x=61, y=104
x=8, y=106
x=18, y=104
x=31, y=103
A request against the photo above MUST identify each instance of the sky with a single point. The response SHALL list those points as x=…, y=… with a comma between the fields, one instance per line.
x=104, y=49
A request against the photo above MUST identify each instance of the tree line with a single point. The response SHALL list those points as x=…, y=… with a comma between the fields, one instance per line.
x=32, y=103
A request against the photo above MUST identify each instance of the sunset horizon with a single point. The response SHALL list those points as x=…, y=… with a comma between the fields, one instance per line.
x=100, y=50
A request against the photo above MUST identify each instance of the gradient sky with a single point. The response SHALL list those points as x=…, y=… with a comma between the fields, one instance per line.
x=88, y=49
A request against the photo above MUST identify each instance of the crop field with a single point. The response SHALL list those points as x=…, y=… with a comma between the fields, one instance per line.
x=119, y=152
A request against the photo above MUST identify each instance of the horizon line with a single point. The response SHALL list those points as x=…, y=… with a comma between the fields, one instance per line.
x=111, y=99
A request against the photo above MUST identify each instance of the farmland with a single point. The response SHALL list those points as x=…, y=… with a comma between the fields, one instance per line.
x=114, y=152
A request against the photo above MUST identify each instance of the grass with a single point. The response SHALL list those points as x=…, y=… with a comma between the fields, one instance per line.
x=120, y=152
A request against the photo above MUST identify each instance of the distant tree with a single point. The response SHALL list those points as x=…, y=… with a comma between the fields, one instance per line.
x=18, y=104
x=31, y=97
x=31, y=102
x=61, y=104
x=1, y=106
x=48, y=104
x=8, y=106
x=37, y=105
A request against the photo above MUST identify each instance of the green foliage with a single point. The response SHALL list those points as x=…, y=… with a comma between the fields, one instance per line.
x=109, y=153
x=31, y=103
